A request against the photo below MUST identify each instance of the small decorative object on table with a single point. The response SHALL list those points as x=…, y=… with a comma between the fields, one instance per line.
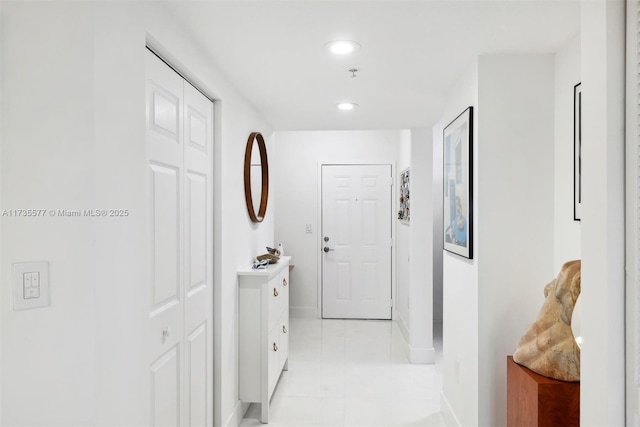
x=260, y=265
x=272, y=256
x=274, y=251
x=272, y=259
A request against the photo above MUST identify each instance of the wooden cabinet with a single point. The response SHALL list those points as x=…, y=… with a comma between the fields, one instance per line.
x=537, y=401
x=264, y=332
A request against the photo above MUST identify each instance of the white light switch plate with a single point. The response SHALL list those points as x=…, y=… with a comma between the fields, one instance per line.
x=30, y=285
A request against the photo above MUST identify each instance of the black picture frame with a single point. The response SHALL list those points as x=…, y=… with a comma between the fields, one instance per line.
x=577, y=152
x=457, y=157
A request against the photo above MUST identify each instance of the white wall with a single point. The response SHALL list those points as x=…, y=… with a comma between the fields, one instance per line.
x=237, y=240
x=421, y=248
x=438, y=233
x=489, y=301
x=515, y=216
x=1, y=132
x=88, y=144
x=414, y=249
x=566, y=230
x=48, y=358
x=460, y=284
x=509, y=283
x=295, y=173
x=602, y=398
x=403, y=240
x=632, y=217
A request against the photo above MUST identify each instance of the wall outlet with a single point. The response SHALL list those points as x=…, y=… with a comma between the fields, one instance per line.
x=308, y=229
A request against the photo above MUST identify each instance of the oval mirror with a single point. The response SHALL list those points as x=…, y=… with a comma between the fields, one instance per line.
x=256, y=177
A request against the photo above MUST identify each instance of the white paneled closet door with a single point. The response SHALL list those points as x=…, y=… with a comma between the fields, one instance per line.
x=180, y=201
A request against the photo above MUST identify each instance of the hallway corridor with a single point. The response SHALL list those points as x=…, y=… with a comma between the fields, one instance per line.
x=353, y=373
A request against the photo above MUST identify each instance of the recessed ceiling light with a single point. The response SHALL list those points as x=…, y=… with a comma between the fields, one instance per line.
x=346, y=106
x=342, y=47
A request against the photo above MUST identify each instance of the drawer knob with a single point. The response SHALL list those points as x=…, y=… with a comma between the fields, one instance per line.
x=284, y=329
x=275, y=347
x=275, y=292
x=284, y=282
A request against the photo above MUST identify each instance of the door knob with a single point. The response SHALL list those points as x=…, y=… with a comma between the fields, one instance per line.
x=327, y=249
x=326, y=238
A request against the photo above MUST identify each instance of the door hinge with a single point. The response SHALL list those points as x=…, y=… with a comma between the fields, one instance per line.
x=391, y=303
x=391, y=181
x=391, y=241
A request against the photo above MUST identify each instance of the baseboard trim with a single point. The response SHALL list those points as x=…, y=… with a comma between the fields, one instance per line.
x=403, y=328
x=417, y=355
x=425, y=355
x=447, y=412
x=304, y=312
x=236, y=416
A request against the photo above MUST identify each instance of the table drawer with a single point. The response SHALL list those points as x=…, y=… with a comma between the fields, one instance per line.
x=283, y=348
x=284, y=285
x=275, y=299
x=273, y=348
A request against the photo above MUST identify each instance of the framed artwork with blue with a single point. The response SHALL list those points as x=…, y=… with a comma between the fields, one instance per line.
x=458, y=185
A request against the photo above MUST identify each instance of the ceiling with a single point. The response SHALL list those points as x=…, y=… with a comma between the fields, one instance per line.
x=412, y=53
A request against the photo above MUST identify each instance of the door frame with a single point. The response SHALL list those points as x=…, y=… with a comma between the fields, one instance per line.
x=319, y=244
x=632, y=219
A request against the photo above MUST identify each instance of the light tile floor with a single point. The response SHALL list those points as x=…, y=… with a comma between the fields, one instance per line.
x=353, y=373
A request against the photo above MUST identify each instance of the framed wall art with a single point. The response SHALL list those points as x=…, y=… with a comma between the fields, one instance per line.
x=458, y=185
x=405, y=201
x=577, y=151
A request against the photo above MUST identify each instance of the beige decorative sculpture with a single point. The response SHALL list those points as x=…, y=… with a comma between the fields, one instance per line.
x=548, y=347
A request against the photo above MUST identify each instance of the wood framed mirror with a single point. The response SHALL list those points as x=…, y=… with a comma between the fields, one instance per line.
x=256, y=177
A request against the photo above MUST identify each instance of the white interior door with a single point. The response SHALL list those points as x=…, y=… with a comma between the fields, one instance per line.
x=356, y=231
x=198, y=279
x=180, y=171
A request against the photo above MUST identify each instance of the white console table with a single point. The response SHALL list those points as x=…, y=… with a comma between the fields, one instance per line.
x=264, y=331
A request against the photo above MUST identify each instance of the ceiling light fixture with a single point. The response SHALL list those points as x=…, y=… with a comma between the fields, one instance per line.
x=346, y=106
x=342, y=47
